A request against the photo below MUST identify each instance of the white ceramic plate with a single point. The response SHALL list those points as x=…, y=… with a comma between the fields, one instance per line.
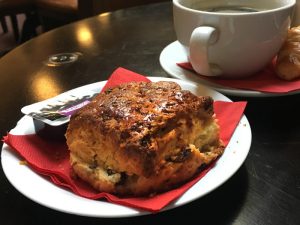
x=23, y=178
x=174, y=53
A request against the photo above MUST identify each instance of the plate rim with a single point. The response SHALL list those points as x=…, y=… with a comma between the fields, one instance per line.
x=131, y=212
x=182, y=73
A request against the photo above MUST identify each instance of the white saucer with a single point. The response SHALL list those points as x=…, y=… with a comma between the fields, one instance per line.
x=174, y=53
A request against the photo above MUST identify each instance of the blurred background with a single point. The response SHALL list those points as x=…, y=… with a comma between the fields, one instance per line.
x=22, y=20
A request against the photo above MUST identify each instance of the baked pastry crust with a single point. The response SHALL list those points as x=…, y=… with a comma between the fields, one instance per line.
x=141, y=138
x=288, y=59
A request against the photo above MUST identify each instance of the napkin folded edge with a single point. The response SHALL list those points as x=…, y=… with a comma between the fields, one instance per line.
x=267, y=83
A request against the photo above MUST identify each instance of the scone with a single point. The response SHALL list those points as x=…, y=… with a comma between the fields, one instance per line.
x=288, y=59
x=141, y=138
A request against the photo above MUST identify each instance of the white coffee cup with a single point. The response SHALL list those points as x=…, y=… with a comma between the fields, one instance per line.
x=225, y=38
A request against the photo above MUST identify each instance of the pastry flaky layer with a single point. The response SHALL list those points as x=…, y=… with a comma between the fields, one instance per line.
x=141, y=138
x=287, y=65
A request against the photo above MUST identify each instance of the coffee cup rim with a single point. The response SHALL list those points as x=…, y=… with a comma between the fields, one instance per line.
x=292, y=3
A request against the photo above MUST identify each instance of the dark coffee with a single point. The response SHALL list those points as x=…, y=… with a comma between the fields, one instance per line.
x=231, y=9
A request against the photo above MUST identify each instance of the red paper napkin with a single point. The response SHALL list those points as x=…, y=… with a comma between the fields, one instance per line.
x=51, y=158
x=264, y=81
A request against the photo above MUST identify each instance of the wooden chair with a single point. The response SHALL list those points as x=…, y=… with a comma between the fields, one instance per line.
x=3, y=24
x=100, y=6
x=12, y=8
x=54, y=13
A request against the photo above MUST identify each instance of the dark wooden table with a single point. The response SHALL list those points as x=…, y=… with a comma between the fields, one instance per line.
x=265, y=190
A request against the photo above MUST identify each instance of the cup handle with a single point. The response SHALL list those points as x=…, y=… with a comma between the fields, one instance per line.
x=200, y=40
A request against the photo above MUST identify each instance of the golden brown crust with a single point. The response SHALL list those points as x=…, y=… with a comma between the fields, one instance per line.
x=288, y=60
x=143, y=137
